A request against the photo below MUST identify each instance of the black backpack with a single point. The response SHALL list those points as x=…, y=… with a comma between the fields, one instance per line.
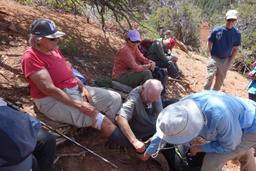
x=184, y=162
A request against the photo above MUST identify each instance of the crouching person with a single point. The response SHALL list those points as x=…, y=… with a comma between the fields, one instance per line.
x=137, y=116
x=57, y=93
x=24, y=145
x=226, y=122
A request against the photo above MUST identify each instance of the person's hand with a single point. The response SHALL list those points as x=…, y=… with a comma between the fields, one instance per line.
x=143, y=157
x=87, y=109
x=194, y=149
x=139, y=146
x=251, y=74
x=86, y=95
x=153, y=65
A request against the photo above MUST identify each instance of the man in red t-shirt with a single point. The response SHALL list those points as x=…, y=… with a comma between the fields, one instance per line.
x=57, y=93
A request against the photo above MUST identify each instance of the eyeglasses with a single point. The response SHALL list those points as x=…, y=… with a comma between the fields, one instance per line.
x=231, y=20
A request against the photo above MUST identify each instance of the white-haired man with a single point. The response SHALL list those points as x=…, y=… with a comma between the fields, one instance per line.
x=226, y=122
x=223, y=44
x=138, y=114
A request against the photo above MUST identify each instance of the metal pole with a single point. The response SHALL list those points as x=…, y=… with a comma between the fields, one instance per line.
x=79, y=145
x=66, y=137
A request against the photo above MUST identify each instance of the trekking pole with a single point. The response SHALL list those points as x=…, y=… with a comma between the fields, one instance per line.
x=66, y=137
x=79, y=145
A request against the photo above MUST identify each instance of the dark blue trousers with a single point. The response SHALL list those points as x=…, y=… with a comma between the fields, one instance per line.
x=44, y=153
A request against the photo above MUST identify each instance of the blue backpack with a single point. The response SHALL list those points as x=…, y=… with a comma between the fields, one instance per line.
x=18, y=138
x=79, y=75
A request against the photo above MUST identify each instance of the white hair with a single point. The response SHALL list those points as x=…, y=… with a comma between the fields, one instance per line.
x=153, y=85
x=33, y=40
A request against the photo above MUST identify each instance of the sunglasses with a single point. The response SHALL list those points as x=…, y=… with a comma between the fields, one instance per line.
x=53, y=39
x=231, y=20
x=135, y=42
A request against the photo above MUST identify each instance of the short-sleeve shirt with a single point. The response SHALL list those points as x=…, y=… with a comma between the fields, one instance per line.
x=224, y=40
x=142, y=120
x=60, y=72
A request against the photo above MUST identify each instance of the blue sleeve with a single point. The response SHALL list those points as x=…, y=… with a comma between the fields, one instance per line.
x=155, y=145
x=228, y=136
x=238, y=39
x=212, y=36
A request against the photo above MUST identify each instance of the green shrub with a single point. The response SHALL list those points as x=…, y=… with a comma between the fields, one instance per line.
x=68, y=46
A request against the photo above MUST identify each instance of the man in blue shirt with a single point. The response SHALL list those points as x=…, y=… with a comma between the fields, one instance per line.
x=223, y=44
x=226, y=122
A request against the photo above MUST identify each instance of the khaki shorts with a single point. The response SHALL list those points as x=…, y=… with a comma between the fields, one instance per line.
x=106, y=101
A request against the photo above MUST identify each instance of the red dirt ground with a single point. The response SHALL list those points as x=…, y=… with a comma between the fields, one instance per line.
x=95, y=54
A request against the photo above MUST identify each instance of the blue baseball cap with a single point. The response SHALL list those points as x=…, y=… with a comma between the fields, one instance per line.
x=45, y=28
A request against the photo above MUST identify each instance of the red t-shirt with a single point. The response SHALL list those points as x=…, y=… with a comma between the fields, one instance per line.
x=60, y=72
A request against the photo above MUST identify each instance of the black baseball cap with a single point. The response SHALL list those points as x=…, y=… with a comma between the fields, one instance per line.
x=45, y=28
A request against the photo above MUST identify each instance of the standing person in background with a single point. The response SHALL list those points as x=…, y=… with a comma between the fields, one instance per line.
x=130, y=66
x=223, y=45
x=252, y=84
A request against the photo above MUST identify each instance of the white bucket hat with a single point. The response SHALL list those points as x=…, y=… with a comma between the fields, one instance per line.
x=180, y=122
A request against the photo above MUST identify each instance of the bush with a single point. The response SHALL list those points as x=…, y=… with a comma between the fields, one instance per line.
x=184, y=20
x=68, y=46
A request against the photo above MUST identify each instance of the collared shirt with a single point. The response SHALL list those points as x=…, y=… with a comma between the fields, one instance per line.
x=227, y=118
x=224, y=40
x=129, y=59
x=142, y=118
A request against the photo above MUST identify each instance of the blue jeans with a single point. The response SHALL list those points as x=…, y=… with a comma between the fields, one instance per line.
x=44, y=153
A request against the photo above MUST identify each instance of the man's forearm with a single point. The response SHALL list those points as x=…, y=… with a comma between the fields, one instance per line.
x=62, y=96
x=233, y=54
x=125, y=128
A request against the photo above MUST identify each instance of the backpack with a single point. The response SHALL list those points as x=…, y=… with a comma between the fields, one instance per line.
x=145, y=45
x=18, y=136
x=184, y=162
x=79, y=75
x=179, y=160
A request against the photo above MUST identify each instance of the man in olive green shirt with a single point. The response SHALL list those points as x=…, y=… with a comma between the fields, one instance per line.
x=158, y=52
